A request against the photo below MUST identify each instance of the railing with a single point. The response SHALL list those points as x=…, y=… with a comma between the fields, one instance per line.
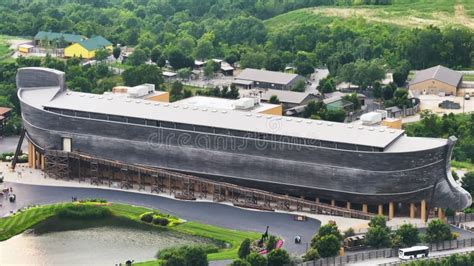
x=386, y=253
x=460, y=218
x=67, y=165
x=431, y=258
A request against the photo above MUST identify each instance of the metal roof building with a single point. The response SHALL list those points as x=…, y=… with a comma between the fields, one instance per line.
x=435, y=80
x=269, y=79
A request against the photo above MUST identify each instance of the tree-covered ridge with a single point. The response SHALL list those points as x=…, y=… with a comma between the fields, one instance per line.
x=234, y=30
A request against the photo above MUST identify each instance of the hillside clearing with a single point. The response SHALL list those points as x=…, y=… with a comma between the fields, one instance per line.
x=441, y=13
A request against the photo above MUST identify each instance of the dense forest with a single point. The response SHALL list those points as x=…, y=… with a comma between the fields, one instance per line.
x=235, y=30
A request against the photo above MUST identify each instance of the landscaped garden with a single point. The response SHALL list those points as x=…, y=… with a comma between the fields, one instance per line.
x=90, y=213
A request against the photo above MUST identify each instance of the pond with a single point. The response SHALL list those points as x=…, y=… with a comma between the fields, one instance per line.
x=91, y=245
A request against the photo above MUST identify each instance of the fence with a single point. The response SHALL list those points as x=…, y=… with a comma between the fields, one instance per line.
x=430, y=258
x=460, y=218
x=386, y=253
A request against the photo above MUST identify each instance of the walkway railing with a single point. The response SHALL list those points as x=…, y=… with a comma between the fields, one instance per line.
x=387, y=253
x=68, y=165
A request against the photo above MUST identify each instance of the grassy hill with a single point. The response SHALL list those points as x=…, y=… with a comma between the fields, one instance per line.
x=405, y=13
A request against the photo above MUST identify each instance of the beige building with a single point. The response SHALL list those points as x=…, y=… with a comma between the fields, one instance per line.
x=435, y=80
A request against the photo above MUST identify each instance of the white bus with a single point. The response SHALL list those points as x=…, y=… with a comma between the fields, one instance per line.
x=413, y=252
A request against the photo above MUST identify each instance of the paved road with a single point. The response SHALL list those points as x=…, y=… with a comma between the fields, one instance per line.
x=8, y=144
x=280, y=224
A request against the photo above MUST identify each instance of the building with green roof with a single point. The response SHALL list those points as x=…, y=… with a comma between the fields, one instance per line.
x=87, y=48
x=60, y=40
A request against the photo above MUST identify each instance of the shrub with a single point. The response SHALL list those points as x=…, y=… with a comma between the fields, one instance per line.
x=83, y=211
x=328, y=246
x=378, y=237
x=256, y=259
x=192, y=255
x=161, y=221
x=147, y=217
x=176, y=260
x=311, y=254
x=349, y=232
x=244, y=249
x=438, y=231
x=271, y=244
x=378, y=220
x=93, y=200
x=278, y=257
x=409, y=235
x=240, y=262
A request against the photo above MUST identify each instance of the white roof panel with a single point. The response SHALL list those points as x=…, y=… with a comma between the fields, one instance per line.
x=236, y=120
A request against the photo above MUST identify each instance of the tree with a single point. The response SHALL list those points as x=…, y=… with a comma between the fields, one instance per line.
x=363, y=73
x=101, y=54
x=253, y=59
x=143, y=74
x=330, y=229
x=80, y=84
x=176, y=92
x=408, y=234
x=328, y=245
x=274, y=63
x=303, y=63
x=378, y=220
x=337, y=115
x=179, y=60
x=354, y=99
x=117, y=51
x=299, y=86
x=313, y=108
x=274, y=99
x=137, y=58
x=437, y=231
x=256, y=259
x=240, y=262
x=278, y=257
x=244, y=249
x=233, y=93
x=184, y=73
x=468, y=182
x=157, y=57
x=377, y=90
x=378, y=237
x=378, y=234
x=271, y=244
x=400, y=76
x=327, y=85
x=208, y=70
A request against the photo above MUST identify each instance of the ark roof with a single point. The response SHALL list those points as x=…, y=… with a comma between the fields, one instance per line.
x=250, y=122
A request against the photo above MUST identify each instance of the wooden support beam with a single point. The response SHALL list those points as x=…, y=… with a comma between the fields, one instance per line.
x=365, y=208
x=441, y=214
x=333, y=203
x=348, y=205
x=380, y=209
x=423, y=211
x=391, y=210
x=412, y=210
x=30, y=154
